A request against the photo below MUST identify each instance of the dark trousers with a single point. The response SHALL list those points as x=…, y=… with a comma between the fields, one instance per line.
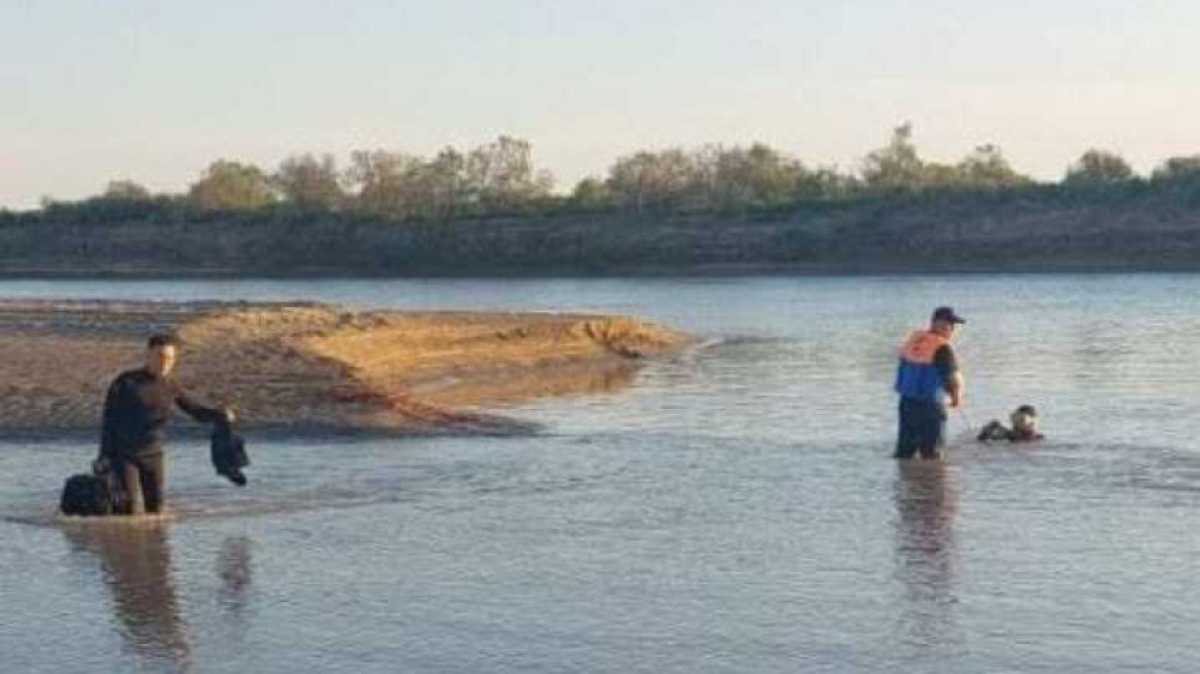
x=922, y=428
x=144, y=479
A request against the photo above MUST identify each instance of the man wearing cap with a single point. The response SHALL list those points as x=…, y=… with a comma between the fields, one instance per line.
x=927, y=375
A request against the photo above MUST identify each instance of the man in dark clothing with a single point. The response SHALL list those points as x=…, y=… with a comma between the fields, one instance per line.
x=136, y=410
x=927, y=373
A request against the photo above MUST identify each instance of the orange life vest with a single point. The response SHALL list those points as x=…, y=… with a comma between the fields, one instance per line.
x=921, y=346
x=917, y=377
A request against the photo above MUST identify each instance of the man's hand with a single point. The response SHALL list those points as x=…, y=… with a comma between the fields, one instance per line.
x=230, y=414
x=955, y=389
x=101, y=466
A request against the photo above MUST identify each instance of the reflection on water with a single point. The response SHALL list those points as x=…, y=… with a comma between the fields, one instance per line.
x=233, y=568
x=926, y=494
x=136, y=561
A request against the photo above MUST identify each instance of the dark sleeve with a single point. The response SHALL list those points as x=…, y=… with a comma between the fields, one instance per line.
x=201, y=413
x=112, y=409
x=945, y=362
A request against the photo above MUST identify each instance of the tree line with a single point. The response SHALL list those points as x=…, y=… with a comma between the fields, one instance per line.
x=501, y=178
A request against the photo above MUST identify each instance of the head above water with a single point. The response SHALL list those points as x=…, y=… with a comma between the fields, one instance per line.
x=944, y=321
x=1025, y=419
x=162, y=351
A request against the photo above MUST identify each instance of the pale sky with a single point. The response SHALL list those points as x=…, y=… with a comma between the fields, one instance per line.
x=153, y=91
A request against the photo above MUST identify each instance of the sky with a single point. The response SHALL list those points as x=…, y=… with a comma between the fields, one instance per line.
x=152, y=91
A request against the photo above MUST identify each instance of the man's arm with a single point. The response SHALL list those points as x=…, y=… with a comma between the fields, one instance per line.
x=201, y=413
x=947, y=364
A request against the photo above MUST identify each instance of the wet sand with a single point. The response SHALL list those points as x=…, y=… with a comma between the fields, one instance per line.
x=311, y=369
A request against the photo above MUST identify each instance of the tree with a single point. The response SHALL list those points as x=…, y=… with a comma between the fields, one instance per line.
x=896, y=167
x=827, y=183
x=310, y=184
x=591, y=194
x=383, y=181
x=126, y=190
x=939, y=176
x=441, y=185
x=229, y=185
x=402, y=186
x=502, y=177
x=986, y=167
x=652, y=180
x=1098, y=168
x=755, y=177
x=1178, y=169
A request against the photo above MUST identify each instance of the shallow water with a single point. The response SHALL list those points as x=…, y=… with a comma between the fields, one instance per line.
x=733, y=511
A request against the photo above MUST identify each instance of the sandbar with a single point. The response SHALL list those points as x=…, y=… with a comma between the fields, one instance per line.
x=312, y=369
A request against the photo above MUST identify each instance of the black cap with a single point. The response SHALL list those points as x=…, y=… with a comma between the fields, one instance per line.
x=946, y=314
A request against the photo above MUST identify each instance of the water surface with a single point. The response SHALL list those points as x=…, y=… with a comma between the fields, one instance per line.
x=733, y=511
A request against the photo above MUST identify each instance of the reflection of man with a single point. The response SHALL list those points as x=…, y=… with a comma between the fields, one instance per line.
x=136, y=565
x=136, y=411
x=233, y=567
x=927, y=373
x=926, y=497
x=235, y=570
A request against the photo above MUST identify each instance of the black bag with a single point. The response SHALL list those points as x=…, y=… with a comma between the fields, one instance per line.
x=86, y=495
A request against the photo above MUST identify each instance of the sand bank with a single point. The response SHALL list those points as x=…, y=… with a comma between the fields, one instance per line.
x=311, y=368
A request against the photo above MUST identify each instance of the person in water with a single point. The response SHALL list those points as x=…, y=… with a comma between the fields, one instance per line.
x=136, y=410
x=927, y=375
x=1024, y=427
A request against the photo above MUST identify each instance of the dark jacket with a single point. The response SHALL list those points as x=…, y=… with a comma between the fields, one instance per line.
x=136, y=410
x=229, y=452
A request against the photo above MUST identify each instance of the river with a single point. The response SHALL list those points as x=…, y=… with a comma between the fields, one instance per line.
x=733, y=510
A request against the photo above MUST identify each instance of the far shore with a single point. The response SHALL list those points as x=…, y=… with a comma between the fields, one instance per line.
x=856, y=268
x=314, y=370
x=1155, y=230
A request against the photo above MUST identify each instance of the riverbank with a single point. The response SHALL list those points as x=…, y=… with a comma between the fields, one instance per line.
x=1035, y=230
x=856, y=268
x=305, y=369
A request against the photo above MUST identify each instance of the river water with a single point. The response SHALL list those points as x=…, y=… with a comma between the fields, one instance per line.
x=734, y=510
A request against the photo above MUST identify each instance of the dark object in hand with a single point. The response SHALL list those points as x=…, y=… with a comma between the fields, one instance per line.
x=229, y=453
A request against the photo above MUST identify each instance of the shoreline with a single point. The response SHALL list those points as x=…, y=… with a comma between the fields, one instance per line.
x=310, y=370
x=835, y=270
